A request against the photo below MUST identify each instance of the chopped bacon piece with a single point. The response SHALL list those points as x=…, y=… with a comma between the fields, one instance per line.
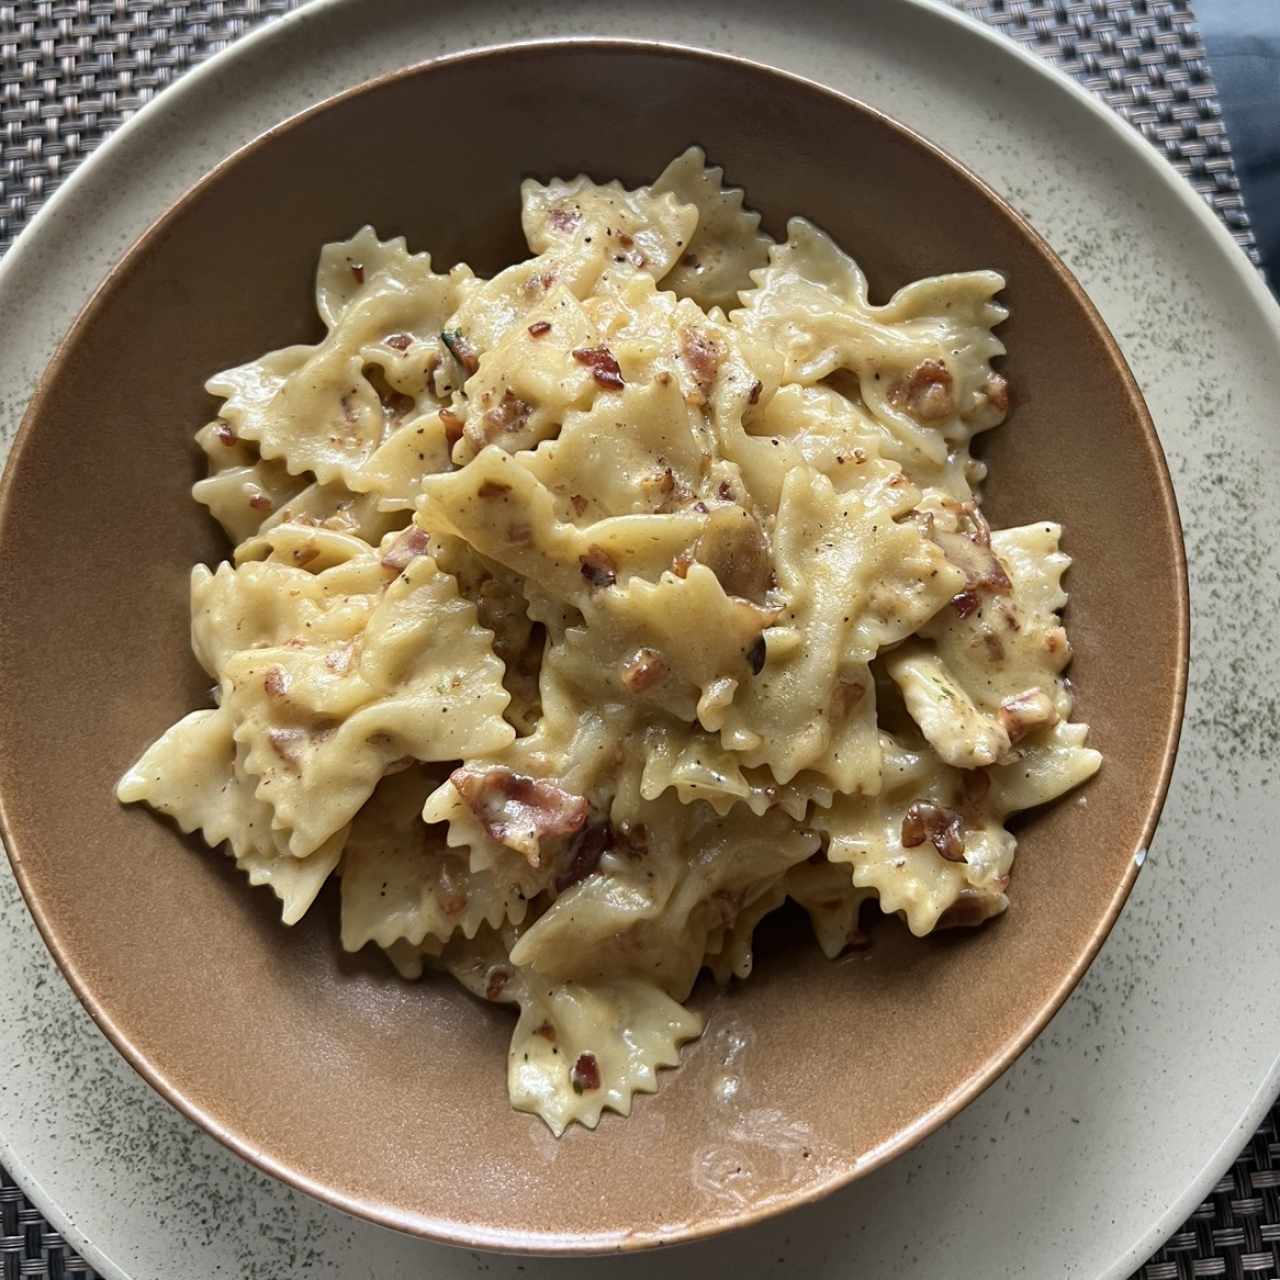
x=400, y=341
x=966, y=602
x=598, y=567
x=539, y=327
x=945, y=827
x=585, y=852
x=604, y=368
x=645, y=668
x=1025, y=711
x=703, y=355
x=453, y=426
x=276, y=682
x=225, y=434
x=845, y=696
x=497, y=982
x=756, y=388
x=509, y=414
x=408, y=546
x=585, y=1075
x=518, y=811
x=357, y=270
x=284, y=742
x=681, y=565
x=926, y=392
x=997, y=389
x=578, y=503
x=461, y=350
x=546, y=1031
x=259, y=501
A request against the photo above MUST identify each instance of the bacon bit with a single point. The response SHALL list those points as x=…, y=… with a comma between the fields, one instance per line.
x=945, y=827
x=225, y=434
x=681, y=564
x=725, y=491
x=461, y=350
x=846, y=695
x=539, y=327
x=757, y=654
x=518, y=811
x=598, y=567
x=703, y=355
x=578, y=503
x=357, y=270
x=926, y=393
x=497, y=983
x=585, y=1075
x=604, y=368
x=284, y=743
x=971, y=908
x=563, y=218
x=966, y=602
x=452, y=425
x=260, y=502
x=276, y=682
x=408, y=546
x=400, y=341
x=493, y=489
x=644, y=669
x=509, y=414
x=997, y=390
x=585, y=852
x=625, y=240
x=756, y=388
x=968, y=547
x=547, y=1032
x=1025, y=711
x=453, y=902
x=663, y=379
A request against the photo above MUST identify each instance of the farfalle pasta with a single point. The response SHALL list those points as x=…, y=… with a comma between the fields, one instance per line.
x=581, y=617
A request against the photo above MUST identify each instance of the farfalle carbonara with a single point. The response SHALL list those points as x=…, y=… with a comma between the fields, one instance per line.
x=580, y=616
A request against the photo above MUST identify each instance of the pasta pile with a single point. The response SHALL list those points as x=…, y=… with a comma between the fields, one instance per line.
x=580, y=616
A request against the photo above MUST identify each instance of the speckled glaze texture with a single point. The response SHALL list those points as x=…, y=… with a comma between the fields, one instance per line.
x=1142, y=1086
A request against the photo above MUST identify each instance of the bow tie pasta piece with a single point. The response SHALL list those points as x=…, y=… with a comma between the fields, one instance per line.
x=660, y=891
x=636, y=643
x=267, y=602
x=530, y=379
x=321, y=723
x=196, y=776
x=992, y=674
x=638, y=453
x=922, y=360
x=327, y=408
x=642, y=230
x=504, y=512
x=696, y=766
x=854, y=580
x=241, y=489
x=401, y=881
x=578, y=1048
x=727, y=244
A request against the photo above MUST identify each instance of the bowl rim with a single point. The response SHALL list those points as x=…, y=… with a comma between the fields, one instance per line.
x=449, y=1231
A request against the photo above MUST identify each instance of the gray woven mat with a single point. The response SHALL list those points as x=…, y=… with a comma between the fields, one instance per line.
x=70, y=72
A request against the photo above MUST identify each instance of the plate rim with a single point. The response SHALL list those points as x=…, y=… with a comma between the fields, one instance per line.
x=1267, y=311
x=448, y=1230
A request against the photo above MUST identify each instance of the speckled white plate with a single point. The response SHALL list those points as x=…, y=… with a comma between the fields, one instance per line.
x=1117, y=1121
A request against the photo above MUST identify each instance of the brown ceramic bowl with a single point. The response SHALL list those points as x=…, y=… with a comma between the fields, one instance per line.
x=387, y=1099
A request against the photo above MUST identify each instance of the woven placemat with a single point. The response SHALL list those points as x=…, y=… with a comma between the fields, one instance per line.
x=71, y=72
